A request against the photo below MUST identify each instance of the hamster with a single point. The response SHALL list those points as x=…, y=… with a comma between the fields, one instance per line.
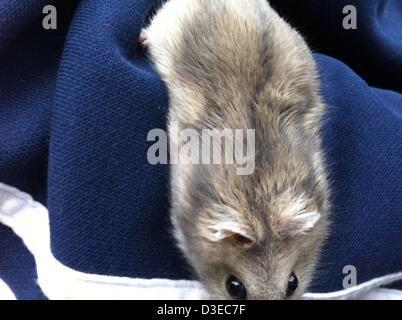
x=237, y=64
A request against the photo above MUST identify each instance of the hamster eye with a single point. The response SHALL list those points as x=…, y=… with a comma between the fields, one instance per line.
x=235, y=288
x=292, y=284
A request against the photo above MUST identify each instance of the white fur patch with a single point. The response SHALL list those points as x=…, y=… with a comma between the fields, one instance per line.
x=164, y=31
x=296, y=220
x=225, y=223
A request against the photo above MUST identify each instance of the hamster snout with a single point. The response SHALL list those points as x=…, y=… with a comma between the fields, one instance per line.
x=236, y=64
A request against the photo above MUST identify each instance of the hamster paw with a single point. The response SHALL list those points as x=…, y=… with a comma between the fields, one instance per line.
x=143, y=39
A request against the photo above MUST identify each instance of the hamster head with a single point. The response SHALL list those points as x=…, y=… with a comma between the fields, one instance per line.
x=236, y=64
x=255, y=236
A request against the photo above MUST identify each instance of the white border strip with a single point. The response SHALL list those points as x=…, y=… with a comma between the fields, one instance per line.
x=360, y=291
x=5, y=292
x=30, y=221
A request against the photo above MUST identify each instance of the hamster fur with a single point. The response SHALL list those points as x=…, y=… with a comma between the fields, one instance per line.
x=237, y=64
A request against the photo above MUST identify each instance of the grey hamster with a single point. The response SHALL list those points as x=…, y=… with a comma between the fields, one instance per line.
x=237, y=64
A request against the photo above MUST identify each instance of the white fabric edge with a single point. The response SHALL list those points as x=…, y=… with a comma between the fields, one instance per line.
x=30, y=221
x=5, y=292
x=362, y=291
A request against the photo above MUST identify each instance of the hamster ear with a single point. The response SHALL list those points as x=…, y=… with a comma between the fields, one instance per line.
x=296, y=224
x=224, y=225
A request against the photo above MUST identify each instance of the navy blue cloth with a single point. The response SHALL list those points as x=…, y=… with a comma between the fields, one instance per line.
x=76, y=105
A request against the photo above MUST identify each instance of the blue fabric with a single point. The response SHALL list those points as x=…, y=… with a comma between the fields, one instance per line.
x=76, y=105
x=17, y=266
